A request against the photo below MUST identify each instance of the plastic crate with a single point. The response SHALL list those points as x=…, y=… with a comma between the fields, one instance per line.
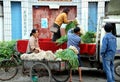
x=45, y=39
x=83, y=49
x=91, y=49
x=22, y=46
x=48, y=45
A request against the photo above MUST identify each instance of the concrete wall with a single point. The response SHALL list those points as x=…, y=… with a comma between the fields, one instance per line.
x=84, y=12
x=7, y=20
x=27, y=16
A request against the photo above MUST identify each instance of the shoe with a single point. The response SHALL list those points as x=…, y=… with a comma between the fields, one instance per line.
x=80, y=81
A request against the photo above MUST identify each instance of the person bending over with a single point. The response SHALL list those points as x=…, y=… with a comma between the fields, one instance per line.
x=75, y=40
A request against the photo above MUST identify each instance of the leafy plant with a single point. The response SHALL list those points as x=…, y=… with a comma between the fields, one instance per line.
x=7, y=49
x=89, y=37
x=68, y=54
x=72, y=24
x=62, y=40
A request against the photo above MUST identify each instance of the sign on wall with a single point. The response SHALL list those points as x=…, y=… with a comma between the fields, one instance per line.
x=24, y=24
x=44, y=23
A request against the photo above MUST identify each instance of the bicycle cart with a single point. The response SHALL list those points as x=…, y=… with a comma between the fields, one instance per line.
x=8, y=68
x=44, y=71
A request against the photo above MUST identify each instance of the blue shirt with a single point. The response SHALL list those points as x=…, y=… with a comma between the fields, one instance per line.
x=109, y=46
x=73, y=40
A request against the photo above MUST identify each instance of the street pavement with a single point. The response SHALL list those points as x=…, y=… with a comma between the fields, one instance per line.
x=88, y=75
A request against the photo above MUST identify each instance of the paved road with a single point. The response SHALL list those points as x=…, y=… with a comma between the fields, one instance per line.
x=89, y=75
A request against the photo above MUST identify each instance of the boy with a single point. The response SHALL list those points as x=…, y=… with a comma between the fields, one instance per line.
x=108, y=51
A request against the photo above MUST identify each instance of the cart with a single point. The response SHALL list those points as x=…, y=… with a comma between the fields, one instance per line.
x=38, y=70
x=46, y=71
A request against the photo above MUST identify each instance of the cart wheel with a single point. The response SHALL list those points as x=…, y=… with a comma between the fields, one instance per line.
x=40, y=73
x=8, y=69
x=62, y=75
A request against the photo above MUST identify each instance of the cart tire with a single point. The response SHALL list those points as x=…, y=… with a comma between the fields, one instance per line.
x=40, y=72
x=61, y=76
x=8, y=69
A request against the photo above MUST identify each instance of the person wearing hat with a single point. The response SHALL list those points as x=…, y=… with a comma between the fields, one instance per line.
x=60, y=19
x=108, y=51
x=75, y=40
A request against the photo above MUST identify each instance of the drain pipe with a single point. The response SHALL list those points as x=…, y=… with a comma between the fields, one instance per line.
x=1, y=16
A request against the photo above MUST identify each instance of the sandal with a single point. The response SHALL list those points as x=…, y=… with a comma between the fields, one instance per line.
x=80, y=81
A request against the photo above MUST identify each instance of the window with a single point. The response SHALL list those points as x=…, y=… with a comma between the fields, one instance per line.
x=118, y=30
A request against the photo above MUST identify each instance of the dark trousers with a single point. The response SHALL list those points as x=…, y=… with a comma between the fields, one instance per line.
x=56, y=35
x=80, y=64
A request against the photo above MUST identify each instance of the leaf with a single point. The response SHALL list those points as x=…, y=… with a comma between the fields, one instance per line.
x=7, y=49
x=72, y=24
x=69, y=55
x=88, y=37
x=61, y=40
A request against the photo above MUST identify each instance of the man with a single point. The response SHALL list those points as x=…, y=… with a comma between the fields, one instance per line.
x=60, y=19
x=108, y=51
x=74, y=40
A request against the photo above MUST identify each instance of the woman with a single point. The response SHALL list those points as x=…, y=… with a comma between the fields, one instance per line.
x=33, y=45
x=60, y=19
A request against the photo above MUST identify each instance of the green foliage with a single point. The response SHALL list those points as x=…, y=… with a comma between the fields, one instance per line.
x=69, y=55
x=6, y=49
x=61, y=40
x=89, y=37
x=72, y=24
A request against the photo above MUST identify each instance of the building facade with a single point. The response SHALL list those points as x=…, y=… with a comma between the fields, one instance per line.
x=18, y=17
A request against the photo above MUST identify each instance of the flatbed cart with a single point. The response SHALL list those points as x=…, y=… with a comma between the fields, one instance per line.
x=38, y=70
x=44, y=71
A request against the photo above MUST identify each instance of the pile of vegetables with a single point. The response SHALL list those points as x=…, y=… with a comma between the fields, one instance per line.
x=48, y=55
x=7, y=49
x=72, y=24
x=62, y=40
x=69, y=55
x=89, y=37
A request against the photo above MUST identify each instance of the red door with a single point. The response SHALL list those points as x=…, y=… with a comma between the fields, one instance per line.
x=41, y=12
